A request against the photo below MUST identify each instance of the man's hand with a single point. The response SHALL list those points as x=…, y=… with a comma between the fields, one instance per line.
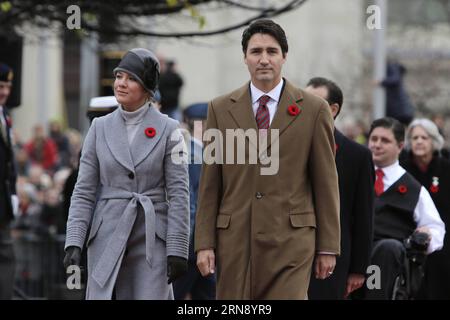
x=206, y=261
x=354, y=281
x=325, y=264
x=424, y=230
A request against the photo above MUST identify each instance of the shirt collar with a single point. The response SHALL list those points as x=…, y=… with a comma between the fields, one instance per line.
x=274, y=94
x=389, y=170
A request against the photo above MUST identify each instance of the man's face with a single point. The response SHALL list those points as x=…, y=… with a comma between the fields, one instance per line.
x=322, y=92
x=264, y=60
x=5, y=90
x=385, y=149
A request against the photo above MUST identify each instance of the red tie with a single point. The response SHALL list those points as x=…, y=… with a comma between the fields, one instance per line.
x=262, y=114
x=379, y=185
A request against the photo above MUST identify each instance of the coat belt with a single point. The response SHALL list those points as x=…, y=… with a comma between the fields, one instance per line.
x=118, y=240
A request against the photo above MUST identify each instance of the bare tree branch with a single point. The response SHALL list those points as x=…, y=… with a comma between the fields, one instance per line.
x=267, y=13
x=244, y=6
x=106, y=15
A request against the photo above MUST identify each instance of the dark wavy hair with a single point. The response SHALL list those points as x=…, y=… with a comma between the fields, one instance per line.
x=398, y=129
x=265, y=26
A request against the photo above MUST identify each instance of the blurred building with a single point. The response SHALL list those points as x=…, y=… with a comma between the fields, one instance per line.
x=326, y=38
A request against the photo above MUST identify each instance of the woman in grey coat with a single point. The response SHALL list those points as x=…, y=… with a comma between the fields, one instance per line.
x=133, y=192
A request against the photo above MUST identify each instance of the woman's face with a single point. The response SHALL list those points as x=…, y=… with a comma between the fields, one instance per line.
x=129, y=92
x=421, y=143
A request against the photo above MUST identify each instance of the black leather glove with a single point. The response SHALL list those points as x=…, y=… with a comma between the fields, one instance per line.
x=176, y=267
x=73, y=257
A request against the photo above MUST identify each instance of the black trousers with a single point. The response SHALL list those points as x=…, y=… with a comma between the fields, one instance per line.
x=389, y=255
x=7, y=265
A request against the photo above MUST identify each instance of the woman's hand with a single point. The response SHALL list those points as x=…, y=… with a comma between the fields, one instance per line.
x=73, y=257
x=176, y=267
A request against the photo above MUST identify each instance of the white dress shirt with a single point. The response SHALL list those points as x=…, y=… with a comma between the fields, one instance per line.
x=274, y=95
x=425, y=213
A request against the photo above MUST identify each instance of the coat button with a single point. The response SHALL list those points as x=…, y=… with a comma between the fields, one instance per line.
x=258, y=195
x=131, y=175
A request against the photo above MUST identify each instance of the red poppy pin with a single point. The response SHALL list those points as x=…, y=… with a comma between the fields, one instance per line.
x=293, y=110
x=434, y=188
x=8, y=121
x=336, y=147
x=402, y=189
x=150, y=132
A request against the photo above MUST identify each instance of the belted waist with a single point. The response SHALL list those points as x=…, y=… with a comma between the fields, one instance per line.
x=156, y=194
x=117, y=243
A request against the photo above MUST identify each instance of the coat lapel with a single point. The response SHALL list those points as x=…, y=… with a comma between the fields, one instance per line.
x=117, y=140
x=282, y=119
x=143, y=145
x=241, y=109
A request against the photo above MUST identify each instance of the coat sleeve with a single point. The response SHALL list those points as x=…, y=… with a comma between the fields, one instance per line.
x=177, y=186
x=323, y=172
x=210, y=195
x=362, y=215
x=83, y=200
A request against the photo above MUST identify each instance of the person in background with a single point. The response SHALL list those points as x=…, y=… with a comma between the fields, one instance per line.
x=170, y=85
x=398, y=103
x=424, y=162
x=42, y=150
x=9, y=202
x=192, y=285
x=402, y=207
x=356, y=177
x=62, y=144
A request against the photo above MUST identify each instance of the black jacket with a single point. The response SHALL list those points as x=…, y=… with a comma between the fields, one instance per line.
x=437, y=277
x=7, y=175
x=356, y=178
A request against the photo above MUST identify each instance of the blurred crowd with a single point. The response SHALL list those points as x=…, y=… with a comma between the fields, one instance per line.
x=43, y=164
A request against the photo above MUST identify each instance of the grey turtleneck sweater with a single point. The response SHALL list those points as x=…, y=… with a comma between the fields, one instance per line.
x=133, y=120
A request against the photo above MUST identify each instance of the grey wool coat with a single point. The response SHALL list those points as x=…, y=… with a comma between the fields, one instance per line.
x=135, y=199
